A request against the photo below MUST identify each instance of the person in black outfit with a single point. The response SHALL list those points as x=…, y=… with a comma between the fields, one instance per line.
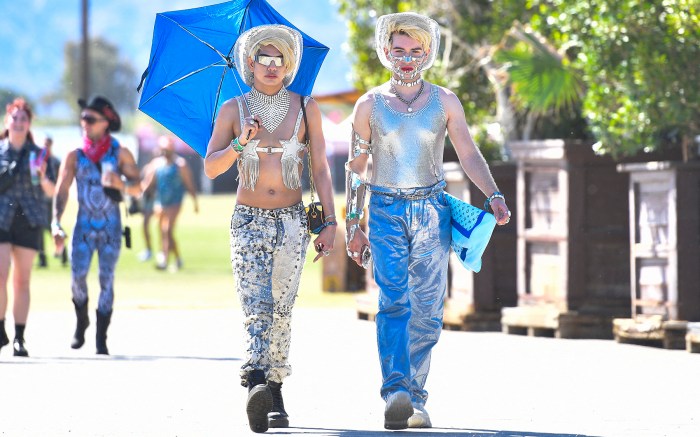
x=22, y=217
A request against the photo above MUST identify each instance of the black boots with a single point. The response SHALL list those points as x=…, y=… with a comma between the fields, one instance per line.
x=277, y=418
x=81, y=313
x=4, y=340
x=18, y=344
x=101, y=337
x=259, y=401
x=83, y=321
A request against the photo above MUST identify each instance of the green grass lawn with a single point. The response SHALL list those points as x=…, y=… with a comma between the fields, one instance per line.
x=205, y=281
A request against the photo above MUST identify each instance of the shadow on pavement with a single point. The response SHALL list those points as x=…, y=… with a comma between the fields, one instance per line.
x=111, y=358
x=435, y=432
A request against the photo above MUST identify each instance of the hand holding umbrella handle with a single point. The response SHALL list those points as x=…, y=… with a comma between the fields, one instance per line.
x=252, y=124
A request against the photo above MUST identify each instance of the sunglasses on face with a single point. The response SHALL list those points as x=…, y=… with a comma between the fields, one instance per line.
x=268, y=60
x=91, y=119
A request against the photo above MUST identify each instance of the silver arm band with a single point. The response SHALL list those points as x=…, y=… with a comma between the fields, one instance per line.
x=357, y=143
x=355, y=194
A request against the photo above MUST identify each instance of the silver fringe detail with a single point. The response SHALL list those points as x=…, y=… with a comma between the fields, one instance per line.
x=290, y=172
x=271, y=109
x=249, y=167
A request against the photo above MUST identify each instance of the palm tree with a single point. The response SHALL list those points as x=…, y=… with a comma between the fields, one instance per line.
x=541, y=79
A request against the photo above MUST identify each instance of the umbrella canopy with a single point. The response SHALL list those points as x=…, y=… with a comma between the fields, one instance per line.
x=191, y=71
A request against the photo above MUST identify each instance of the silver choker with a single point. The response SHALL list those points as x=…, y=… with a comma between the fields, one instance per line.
x=395, y=81
x=271, y=109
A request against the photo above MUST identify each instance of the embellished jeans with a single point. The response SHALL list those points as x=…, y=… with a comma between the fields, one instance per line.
x=409, y=233
x=268, y=249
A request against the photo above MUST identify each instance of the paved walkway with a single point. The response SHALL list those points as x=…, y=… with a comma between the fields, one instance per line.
x=174, y=373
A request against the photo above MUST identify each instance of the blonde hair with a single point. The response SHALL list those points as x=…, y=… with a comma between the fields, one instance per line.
x=412, y=31
x=280, y=44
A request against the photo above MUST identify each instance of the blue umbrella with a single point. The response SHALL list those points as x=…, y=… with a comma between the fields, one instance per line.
x=191, y=71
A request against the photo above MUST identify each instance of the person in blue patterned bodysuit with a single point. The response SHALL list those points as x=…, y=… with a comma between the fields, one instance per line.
x=97, y=168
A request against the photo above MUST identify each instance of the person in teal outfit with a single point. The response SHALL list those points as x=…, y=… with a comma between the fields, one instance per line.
x=169, y=176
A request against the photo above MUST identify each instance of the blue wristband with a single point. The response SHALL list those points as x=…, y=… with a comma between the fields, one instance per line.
x=495, y=195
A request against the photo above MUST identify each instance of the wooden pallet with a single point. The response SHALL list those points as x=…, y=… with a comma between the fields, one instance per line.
x=692, y=338
x=651, y=331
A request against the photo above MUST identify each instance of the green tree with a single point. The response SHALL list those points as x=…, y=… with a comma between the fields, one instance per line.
x=7, y=95
x=640, y=64
x=478, y=62
x=109, y=75
x=543, y=83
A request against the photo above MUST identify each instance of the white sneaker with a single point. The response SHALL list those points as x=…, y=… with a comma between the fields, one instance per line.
x=145, y=255
x=419, y=419
x=398, y=410
x=174, y=268
x=161, y=261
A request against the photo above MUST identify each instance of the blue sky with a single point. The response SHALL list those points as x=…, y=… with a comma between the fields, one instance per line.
x=33, y=34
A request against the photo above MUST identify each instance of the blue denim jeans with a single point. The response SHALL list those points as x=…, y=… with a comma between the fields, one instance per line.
x=268, y=249
x=409, y=232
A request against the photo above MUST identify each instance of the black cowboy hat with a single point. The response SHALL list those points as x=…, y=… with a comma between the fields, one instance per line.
x=104, y=107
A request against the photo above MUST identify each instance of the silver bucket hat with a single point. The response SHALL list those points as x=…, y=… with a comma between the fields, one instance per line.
x=252, y=37
x=387, y=22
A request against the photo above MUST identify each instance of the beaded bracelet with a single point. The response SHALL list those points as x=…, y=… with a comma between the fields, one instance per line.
x=353, y=215
x=325, y=225
x=236, y=145
x=495, y=195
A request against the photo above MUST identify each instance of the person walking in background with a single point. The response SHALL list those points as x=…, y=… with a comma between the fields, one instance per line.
x=168, y=175
x=52, y=166
x=262, y=130
x=402, y=125
x=97, y=168
x=146, y=202
x=22, y=215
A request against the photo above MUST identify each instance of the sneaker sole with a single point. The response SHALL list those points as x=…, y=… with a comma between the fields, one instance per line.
x=278, y=422
x=396, y=417
x=258, y=405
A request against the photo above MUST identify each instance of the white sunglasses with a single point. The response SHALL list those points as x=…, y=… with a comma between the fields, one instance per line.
x=268, y=60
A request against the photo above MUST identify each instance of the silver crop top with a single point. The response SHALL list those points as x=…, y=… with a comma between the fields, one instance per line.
x=407, y=148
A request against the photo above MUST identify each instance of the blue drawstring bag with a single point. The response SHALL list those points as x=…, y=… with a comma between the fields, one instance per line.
x=471, y=231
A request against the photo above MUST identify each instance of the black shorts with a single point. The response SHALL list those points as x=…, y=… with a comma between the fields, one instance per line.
x=21, y=232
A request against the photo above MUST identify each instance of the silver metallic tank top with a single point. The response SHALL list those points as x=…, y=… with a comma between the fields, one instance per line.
x=407, y=148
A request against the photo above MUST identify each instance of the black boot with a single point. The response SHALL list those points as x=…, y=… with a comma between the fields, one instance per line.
x=18, y=344
x=4, y=340
x=277, y=418
x=259, y=401
x=101, y=337
x=81, y=314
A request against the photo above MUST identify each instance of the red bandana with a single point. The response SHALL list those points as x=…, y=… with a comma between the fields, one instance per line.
x=95, y=150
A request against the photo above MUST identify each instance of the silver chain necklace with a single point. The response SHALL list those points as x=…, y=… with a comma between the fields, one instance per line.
x=408, y=102
x=271, y=109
